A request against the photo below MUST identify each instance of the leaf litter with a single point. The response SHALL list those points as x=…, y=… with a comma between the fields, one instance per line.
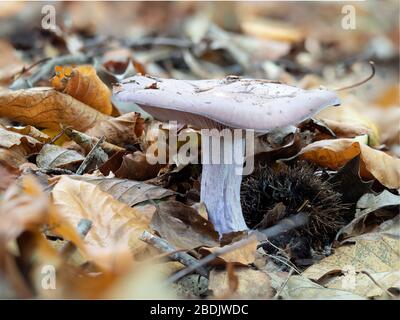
x=73, y=155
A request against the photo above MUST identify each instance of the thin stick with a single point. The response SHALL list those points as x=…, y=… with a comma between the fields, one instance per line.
x=284, y=284
x=24, y=70
x=371, y=63
x=377, y=283
x=164, y=246
x=58, y=135
x=90, y=156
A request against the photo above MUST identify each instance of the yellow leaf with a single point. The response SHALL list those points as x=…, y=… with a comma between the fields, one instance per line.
x=348, y=116
x=336, y=153
x=47, y=108
x=83, y=84
x=116, y=227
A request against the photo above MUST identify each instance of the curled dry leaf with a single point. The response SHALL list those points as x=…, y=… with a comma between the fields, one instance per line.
x=242, y=256
x=8, y=176
x=350, y=117
x=336, y=153
x=182, y=226
x=83, y=84
x=127, y=191
x=23, y=207
x=32, y=132
x=252, y=284
x=374, y=210
x=137, y=167
x=52, y=156
x=114, y=236
x=25, y=144
x=124, y=130
x=348, y=129
x=47, y=108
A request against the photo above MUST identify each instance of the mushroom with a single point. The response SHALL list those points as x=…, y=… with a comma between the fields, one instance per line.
x=232, y=103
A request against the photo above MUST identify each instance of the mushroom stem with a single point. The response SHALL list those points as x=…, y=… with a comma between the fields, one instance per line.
x=220, y=186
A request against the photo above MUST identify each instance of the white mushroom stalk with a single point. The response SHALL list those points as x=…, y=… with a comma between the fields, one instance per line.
x=218, y=104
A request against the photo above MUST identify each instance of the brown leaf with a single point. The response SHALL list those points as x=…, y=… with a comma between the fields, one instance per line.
x=23, y=207
x=12, y=158
x=10, y=63
x=124, y=130
x=83, y=84
x=8, y=176
x=336, y=153
x=52, y=156
x=242, y=256
x=114, y=236
x=127, y=191
x=182, y=226
x=32, y=132
x=374, y=211
x=252, y=284
x=24, y=143
x=348, y=129
x=136, y=167
x=47, y=108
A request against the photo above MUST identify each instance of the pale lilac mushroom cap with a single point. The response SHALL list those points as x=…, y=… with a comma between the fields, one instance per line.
x=228, y=103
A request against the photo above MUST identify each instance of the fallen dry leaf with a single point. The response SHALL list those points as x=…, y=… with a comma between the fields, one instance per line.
x=364, y=286
x=182, y=226
x=374, y=211
x=25, y=144
x=52, y=156
x=114, y=237
x=252, y=284
x=32, y=132
x=8, y=176
x=127, y=191
x=83, y=84
x=10, y=63
x=47, y=108
x=336, y=153
x=123, y=130
x=372, y=252
x=137, y=167
x=350, y=117
x=299, y=287
x=244, y=256
x=23, y=207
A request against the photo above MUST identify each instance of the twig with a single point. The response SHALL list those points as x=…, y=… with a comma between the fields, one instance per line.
x=24, y=70
x=47, y=70
x=83, y=229
x=90, y=156
x=183, y=257
x=85, y=141
x=58, y=135
x=372, y=65
x=377, y=283
x=284, y=284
